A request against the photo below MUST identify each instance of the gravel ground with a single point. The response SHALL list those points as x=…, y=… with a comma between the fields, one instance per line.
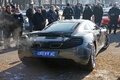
x=107, y=67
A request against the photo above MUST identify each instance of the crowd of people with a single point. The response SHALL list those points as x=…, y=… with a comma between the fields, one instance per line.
x=12, y=19
x=88, y=12
x=37, y=16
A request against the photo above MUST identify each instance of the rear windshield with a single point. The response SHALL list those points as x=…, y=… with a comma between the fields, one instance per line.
x=61, y=27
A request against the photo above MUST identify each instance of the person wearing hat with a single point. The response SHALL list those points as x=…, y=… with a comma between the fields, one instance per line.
x=113, y=13
x=98, y=13
x=87, y=13
x=68, y=12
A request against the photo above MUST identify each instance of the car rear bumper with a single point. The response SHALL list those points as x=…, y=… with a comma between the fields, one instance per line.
x=78, y=54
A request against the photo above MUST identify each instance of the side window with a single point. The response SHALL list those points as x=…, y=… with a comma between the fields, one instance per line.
x=87, y=27
x=94, y=26
x=80, y=27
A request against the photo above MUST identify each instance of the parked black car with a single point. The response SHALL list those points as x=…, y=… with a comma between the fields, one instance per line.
x=79, y=40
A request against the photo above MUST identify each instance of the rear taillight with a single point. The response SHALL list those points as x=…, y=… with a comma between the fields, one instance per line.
x=73, y=42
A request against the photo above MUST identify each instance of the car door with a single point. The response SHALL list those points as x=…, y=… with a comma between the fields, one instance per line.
x=97, y=34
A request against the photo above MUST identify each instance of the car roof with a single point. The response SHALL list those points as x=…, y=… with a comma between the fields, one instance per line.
x=72, y=21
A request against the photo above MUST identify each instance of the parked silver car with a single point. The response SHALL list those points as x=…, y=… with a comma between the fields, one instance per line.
x=78, y=40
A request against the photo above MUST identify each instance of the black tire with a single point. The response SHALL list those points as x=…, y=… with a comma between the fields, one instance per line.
x=107, y=42
x=91, y=64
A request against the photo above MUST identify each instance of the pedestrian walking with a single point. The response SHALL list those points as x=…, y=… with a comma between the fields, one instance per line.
x=78, y=10
x=98, y=13
x=52, y=15
x=68, y=12
x=29, y=13
x=7, y=18
x=18, y=25
x=38, y=20
x=87, y=13
x=113, y=13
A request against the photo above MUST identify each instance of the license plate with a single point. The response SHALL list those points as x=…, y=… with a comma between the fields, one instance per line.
x=45, y=53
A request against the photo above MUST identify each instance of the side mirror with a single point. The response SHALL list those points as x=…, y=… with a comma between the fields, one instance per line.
x=97, y=27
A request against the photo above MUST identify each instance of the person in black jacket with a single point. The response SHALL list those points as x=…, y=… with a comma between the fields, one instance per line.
x=38, y=20
x=7, y=26
x=113, y=13
x=18, y=25
x=29, y=13
x=44, y=13
x=68, y=12
x=18, y=21
x=52, y=15
x=87, y=13
x=78, y=10
x=98, y=13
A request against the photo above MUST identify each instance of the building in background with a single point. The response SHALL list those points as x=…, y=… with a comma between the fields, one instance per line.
x=24, y=4
x=62, y=3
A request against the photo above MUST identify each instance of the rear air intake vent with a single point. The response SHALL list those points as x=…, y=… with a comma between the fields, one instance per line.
x=73, y=42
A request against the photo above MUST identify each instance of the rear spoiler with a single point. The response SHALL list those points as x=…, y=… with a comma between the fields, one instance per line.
x=64, y=34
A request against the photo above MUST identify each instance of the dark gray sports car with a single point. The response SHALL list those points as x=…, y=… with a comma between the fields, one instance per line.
x=79, y=40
